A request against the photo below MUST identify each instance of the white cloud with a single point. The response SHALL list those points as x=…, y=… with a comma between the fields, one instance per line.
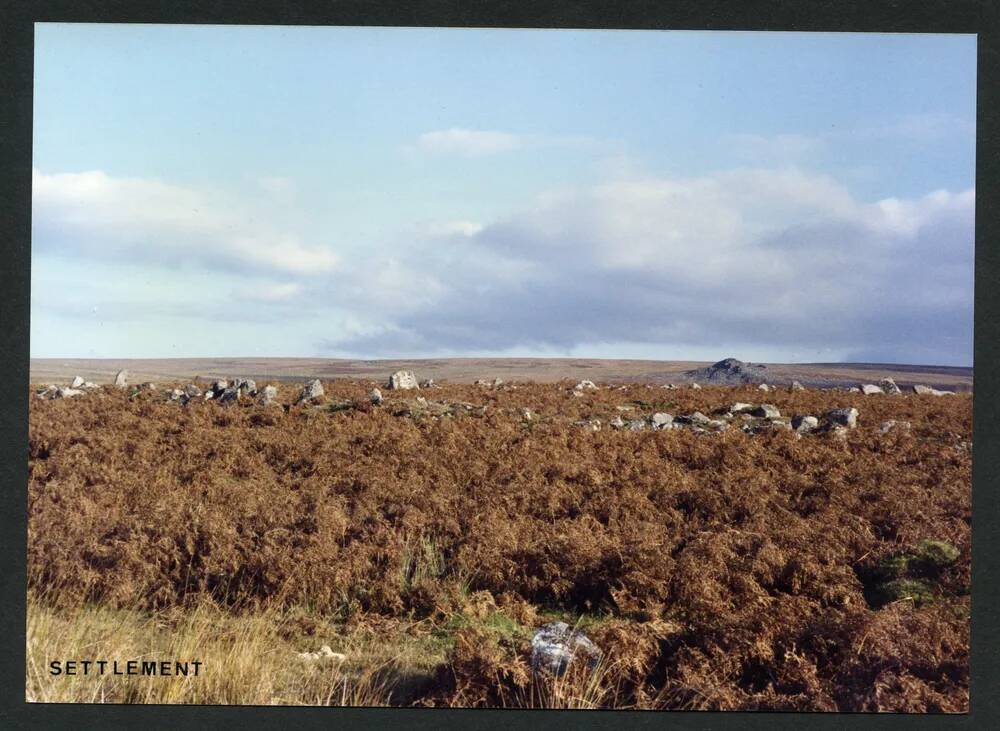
x=92, y=214
x=468, y=142
x=453, y=228
x=782, y=260
x=269, y=292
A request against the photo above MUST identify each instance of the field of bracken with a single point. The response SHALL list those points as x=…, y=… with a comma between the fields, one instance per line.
x=425, y=543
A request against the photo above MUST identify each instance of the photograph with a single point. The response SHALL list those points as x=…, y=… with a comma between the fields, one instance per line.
x=500, y=368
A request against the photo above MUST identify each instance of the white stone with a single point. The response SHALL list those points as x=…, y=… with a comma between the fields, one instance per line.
x=403, y=380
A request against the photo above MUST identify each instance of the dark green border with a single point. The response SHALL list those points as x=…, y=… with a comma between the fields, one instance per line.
x=16, y=56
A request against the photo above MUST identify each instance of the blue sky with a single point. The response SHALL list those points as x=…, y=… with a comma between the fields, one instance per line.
x=381, y=192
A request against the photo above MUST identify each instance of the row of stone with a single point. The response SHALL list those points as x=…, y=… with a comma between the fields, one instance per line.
x=756, y=418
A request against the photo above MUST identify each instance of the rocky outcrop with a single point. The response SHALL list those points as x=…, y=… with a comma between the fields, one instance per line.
x=730, y=372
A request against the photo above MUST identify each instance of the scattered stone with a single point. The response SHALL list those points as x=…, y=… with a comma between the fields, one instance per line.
x=696, y=418
x=90, y=385
x=585, y=386
x=403, y=380
x=375, y=397
x=176, y=394
x=428, y=383
x=268, y=395
x=670, y=386
x=230, y=395
x=766, y=411
x=695, y=386
x=77, y=382
x=923, y=390
x=555, y=648
x=887, y=426
x=854, y=389
x=527, y=415
x=843, y=417
x=121, y=379
x=192, y=391
x=218, y=387
x=636, y=425
x=764, y=387
x=323, y=654
x=717, y=425
x=625, y=408
x=68, y=392
x=796, y=386
x=616, y=423
x=741, y=408
x=889, y=386
x=804, y=423
x=497, y=382
x=870, y=389
x=660, y=420
x=312, y=390
x=592, y=424
x=247, y=386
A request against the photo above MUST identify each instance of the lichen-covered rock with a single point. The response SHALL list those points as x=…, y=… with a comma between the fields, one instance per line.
x=375, y=397
x=889, y=386
x=847, y=416
x=870, y=389
x=77, y=382
x=660, y=419
x=121, y=379
x=230, y=395
x=585, y=386
x=192, y=391
x=892, y=424
x=766, y=411
x=804, y=423
x=404, y=380
x=312, y=390
x=796, y=386
x=268, y=394
x=556, y=648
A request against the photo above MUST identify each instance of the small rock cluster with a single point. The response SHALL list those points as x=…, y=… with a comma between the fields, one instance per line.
x=325, y=653
x=77, y=388
x=556, y=648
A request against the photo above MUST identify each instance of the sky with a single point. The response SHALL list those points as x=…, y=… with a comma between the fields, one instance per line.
x=212, y=191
